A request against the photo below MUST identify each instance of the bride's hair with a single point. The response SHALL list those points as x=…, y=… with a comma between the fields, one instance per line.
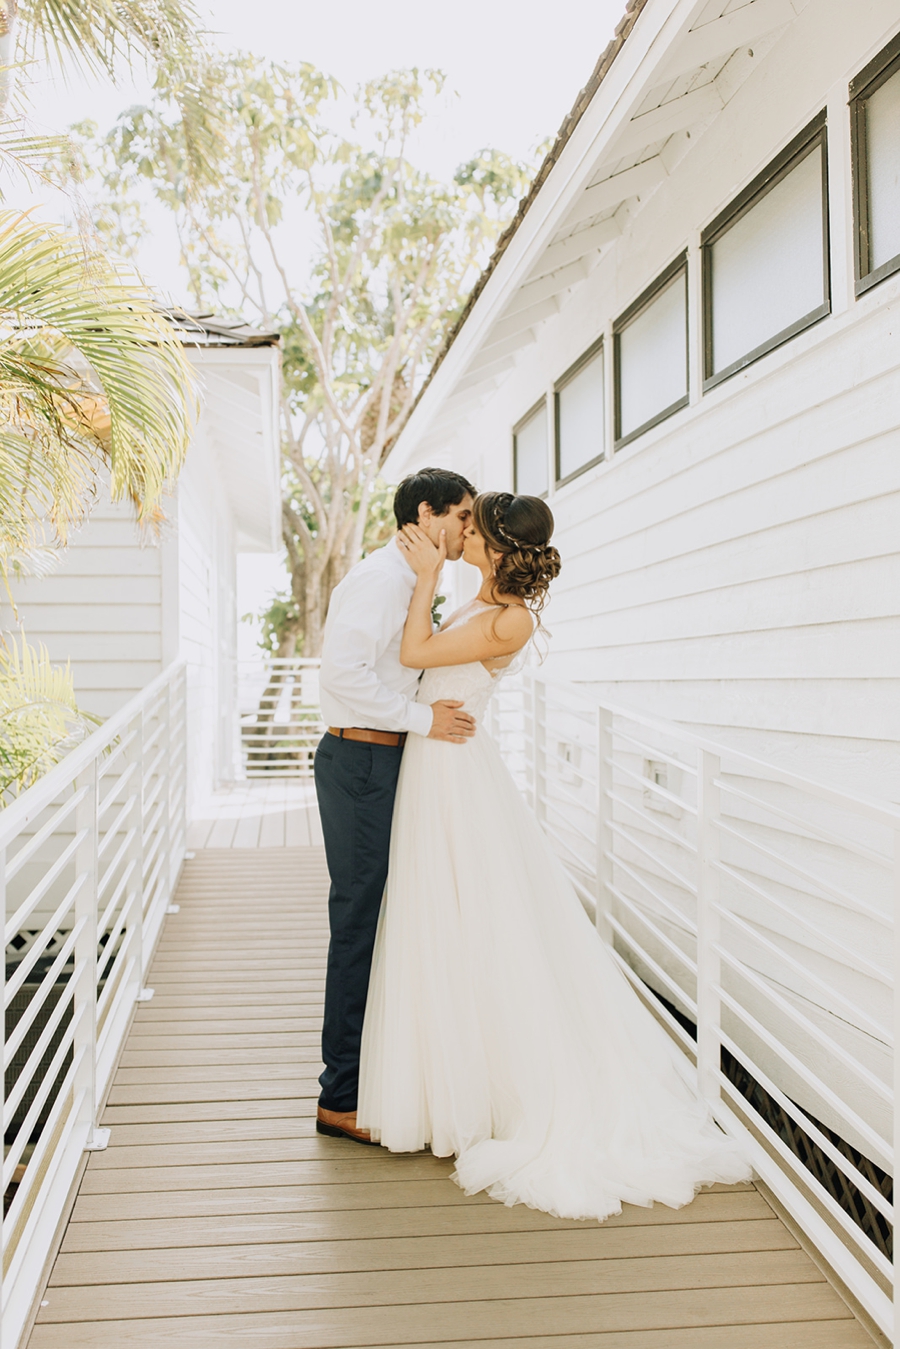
x=519, y=528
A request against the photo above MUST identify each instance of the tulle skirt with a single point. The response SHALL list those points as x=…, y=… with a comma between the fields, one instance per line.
x=499, y=1029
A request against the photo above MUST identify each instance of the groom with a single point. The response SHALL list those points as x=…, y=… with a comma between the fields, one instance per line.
x=367, y=699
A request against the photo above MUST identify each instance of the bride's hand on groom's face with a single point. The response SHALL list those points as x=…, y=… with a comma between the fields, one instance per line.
x=422, y=555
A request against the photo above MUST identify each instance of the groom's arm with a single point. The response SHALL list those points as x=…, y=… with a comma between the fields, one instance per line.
x=370, y=615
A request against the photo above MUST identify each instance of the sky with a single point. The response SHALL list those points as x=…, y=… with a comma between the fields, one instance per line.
x=513, y=72
x=516, y=67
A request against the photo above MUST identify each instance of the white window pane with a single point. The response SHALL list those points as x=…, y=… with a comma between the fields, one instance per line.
x=767, y=270
x=581, y=418
x=653, y=358
x=532, y=477
x=883, y=138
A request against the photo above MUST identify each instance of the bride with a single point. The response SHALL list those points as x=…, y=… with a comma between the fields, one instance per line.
x=497, y=1026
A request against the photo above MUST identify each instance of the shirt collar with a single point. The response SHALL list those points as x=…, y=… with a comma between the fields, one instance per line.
x=402, y=562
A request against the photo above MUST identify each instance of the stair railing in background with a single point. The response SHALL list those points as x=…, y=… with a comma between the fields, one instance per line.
x=753, y=910
x=89, y=857
x=280, y=723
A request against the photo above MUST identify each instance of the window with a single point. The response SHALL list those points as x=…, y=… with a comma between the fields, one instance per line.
x=579, y=415
x=875, y=123
x=651, y=355
x=530, y=468
x=765, y=259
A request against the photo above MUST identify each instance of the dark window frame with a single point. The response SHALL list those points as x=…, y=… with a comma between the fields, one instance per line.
x=869, y=80
x=813, y=138
x=634, y=311
x=539, y=406
x=594, y=352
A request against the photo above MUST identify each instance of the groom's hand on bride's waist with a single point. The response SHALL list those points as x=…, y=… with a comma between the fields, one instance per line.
x=449, y=722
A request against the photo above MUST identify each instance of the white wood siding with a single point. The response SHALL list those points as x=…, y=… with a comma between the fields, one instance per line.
x=101, y=609
x=738, y=566
x=122, y=603
x=206, y=572
x=742, y=571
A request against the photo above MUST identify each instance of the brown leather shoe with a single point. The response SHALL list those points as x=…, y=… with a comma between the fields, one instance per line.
x=342, y=1124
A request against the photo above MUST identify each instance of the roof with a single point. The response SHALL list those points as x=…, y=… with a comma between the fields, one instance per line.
x=631, y=127
x=623, y=29
x=215, y=330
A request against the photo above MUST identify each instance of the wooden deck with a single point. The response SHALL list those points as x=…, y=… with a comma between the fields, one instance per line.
x=217, y=1219
x=258, y=814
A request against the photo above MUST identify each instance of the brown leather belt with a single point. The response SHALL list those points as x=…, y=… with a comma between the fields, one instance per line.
x=394, y=739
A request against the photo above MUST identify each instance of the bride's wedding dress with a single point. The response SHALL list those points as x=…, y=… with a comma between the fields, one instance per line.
x=498, y=1027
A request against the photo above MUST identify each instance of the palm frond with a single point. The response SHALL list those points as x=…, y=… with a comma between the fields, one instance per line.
x=40, y=720
x=24, y=152
x=90, y=372
x=37, y=560
x=45, y=488
x=99, y=33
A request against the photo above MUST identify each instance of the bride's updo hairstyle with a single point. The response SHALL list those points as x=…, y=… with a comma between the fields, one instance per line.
x=519, y=528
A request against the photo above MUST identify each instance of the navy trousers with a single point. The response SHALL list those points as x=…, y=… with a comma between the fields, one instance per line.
x=355, y=786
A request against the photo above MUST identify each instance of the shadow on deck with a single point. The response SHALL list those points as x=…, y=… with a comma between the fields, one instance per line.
x=217, y=1217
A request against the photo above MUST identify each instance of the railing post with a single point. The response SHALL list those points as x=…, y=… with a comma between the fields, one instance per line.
x=166, y=844
x=144, y=993
x=896, y=1130
x=135, y=757
x=173, y=741
x=180, y=733
x=604, y=822
x=539, y=744
x=2, y=1101
x=709, y=1005
x=84, y=999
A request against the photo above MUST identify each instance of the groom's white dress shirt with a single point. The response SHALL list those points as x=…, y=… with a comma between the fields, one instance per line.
x=361, y=682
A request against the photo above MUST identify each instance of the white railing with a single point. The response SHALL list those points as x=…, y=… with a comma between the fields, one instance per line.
x=760, y=906
x=280, y=723
x=89, y=857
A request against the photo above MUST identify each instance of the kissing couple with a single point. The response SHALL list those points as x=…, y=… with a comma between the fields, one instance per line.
x=470, y=1005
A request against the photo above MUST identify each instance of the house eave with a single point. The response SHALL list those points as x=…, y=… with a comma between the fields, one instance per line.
x=240, y=392
x=662, y=39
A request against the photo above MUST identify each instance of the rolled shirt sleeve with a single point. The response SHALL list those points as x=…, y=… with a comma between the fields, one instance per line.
x=366, y=622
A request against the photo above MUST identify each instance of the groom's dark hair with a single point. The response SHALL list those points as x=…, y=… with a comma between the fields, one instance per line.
x=440, y=487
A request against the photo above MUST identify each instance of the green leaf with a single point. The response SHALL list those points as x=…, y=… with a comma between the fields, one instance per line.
x=91, y=373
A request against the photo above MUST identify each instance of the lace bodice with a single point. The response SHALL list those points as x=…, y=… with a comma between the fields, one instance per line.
x=471, y=684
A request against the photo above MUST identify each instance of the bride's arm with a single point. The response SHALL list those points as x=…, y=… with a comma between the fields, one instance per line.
x=492, y=633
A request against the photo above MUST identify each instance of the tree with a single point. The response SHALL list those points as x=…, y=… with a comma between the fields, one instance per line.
x=393, y=254
x=96, y=34
x=92, y=377
x=91, y=374
x=102, y=36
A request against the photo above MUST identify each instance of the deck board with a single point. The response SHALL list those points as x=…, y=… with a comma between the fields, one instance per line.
x=218, y=1219
x=626, y=1260
x=461, y=1319
x=254, y=1290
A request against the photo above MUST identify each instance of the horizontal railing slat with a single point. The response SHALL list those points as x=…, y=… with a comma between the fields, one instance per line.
x=836, y=857
x=88, y=856
x=21, y=812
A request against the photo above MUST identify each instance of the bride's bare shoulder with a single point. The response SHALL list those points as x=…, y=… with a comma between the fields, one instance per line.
x=508, y=622
x=513, y=620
